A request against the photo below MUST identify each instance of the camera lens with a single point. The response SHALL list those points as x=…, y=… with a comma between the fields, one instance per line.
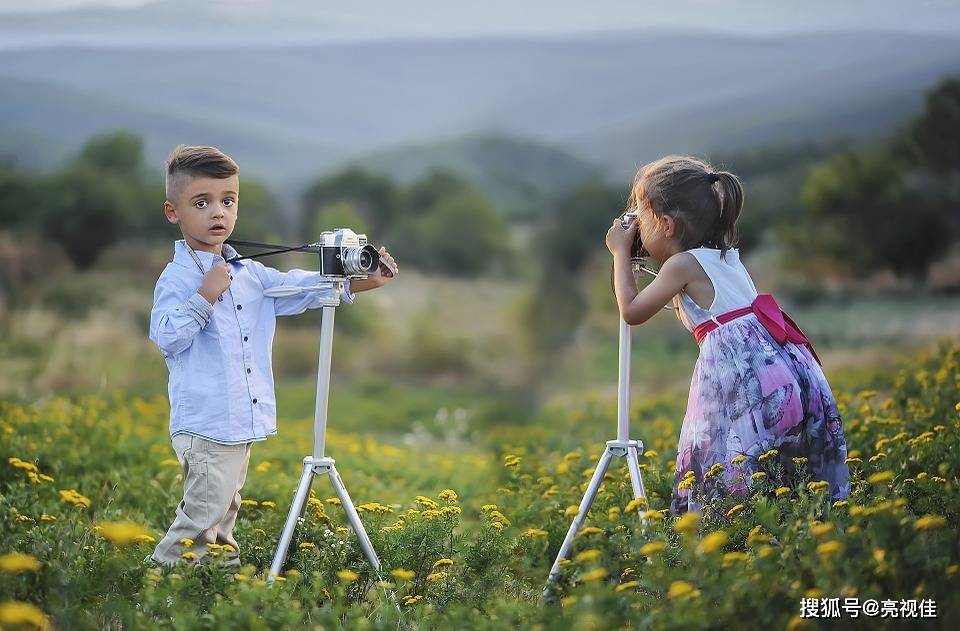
x=360, y=260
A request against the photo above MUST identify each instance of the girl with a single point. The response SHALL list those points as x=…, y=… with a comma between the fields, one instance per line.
x=758, y=394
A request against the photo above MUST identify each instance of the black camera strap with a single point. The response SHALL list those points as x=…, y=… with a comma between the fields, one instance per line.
x=274, y=249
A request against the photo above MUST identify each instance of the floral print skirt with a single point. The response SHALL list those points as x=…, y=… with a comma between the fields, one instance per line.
x=750, y=395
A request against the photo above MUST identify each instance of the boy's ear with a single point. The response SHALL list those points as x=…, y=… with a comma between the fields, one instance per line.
x=170, y=212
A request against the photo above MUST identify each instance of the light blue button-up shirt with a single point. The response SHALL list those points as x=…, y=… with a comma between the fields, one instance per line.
x=220, y=355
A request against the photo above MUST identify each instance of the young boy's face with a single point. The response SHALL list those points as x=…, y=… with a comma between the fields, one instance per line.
x=205, y=208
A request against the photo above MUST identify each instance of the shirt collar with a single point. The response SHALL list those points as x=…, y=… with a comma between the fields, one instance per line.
x=181, y=255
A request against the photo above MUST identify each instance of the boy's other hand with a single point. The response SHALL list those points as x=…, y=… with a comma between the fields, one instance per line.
x=388, y=269
x=215, y=282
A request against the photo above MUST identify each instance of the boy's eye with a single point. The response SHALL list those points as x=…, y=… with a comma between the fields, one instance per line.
x=201, y=203
x=228, y=201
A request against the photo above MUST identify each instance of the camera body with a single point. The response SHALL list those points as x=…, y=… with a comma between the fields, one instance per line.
x=345, y=253
x=637, y=251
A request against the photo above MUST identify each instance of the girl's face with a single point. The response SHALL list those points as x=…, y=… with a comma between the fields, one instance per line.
x=657, y=233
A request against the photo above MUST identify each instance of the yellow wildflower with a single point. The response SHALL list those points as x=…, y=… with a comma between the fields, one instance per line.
x=733, y=558
x=880, y=477
x=829, y=548
x=736, y=509
x=402, y=574
x=712, y=542
x=347, y=576
x=781, y=491
x=929, y=522
x=442, y=563
x=634, y=505
x=15, y=613
x=680, y=589
x=16, y=562
x=687, y=522
x=623, y=587
x=652, y=548
x=436, y=576
x=821, y=529
x=307, y=545
x=70, y=496
x=768, y=454
x=596, y=574
x=590, y=530
x=534, y=533
x=588, y=555
x=447, y=495
x=121, y=533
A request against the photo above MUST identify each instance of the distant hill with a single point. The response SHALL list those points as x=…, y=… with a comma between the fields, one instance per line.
x=515, y=174
x=291, y=112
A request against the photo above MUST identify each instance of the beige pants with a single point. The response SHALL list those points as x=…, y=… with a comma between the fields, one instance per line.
x=213, y=475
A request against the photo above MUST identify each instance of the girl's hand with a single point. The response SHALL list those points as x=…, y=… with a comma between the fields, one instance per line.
x=619, y=239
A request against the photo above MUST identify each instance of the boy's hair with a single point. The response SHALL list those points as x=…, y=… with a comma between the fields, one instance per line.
x=187, y=161
x=704, y=203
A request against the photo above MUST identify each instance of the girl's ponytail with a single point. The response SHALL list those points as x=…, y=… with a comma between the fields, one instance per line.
x=730, y=195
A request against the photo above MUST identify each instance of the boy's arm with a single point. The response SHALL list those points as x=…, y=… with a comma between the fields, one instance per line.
x=293, y=305
x=177, y=316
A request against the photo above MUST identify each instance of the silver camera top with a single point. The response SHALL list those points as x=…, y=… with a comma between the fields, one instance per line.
x=341, y=238
x=627, y=217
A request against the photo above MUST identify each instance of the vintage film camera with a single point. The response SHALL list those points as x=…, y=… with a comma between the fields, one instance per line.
x=345, y=253
x=637, y=251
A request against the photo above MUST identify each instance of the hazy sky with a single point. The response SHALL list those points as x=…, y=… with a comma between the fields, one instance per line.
x=419, y=18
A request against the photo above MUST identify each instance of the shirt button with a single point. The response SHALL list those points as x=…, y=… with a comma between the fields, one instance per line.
x=231, y=276
x=220, y=298
x=239, y=307
x=254, y=400
x=244, y=338
x=248, y=371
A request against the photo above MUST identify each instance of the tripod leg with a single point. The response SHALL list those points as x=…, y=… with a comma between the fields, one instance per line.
x=633, y=463
x=296, y=510
x=585, y=504
x=354, y=519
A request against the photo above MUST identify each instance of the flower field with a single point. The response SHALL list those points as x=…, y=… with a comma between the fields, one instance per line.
x=467, y=536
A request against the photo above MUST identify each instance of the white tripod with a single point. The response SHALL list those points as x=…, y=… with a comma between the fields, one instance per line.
x=622, y=446
x=318, y=464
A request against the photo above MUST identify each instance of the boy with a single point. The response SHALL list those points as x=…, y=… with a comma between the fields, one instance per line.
x=215, y=329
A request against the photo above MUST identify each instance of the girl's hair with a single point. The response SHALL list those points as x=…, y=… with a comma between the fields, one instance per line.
x=704, y=203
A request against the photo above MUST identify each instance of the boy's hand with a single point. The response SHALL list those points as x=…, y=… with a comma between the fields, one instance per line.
x=215, y=282
x=388, y=269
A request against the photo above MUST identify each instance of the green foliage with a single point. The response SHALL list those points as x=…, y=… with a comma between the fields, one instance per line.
x=466, y=539
x=374, y=197
x=461, y=235
x=866, y=213
x=256, y=214
x=934, y=133
x=570, y=238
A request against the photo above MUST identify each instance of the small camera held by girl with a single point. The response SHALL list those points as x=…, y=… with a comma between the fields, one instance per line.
x=758, y=400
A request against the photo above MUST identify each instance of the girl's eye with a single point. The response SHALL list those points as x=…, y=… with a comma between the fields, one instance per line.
x=228, y=202
x=201, y=203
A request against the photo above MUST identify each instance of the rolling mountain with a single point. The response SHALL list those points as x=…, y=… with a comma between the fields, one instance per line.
x=290, y=112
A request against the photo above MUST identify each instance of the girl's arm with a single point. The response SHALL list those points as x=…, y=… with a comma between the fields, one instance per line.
x=636, y=307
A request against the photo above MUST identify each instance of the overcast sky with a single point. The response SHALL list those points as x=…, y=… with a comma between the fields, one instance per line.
x=424, y=18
